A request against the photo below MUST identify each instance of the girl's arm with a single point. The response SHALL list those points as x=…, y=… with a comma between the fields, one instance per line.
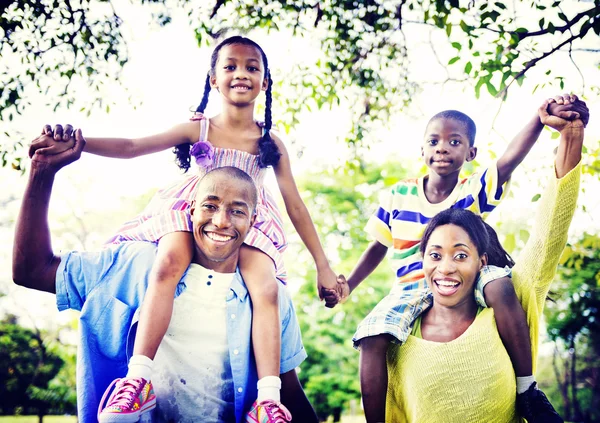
x=121, y=148
x=300, y=217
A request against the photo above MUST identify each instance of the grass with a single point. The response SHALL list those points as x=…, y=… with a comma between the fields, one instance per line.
x=34, y=419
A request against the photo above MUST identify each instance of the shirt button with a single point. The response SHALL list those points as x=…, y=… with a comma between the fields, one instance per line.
x=236, y=352
x=239, y=389
x=233, y=316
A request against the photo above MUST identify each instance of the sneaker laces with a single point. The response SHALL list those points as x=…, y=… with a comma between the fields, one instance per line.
x=276, y=411
x=125, y=392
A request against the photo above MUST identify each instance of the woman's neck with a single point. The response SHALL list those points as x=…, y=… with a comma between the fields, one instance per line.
x=444, y=324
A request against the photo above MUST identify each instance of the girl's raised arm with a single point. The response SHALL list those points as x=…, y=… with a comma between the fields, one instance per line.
x=301, y=219
x=122, y=148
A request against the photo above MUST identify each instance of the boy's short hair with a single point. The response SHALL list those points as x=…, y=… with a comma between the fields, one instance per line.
x=460, y=117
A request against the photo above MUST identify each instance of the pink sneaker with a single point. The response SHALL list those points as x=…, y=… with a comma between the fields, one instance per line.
x=268, y=411
x=130, y=398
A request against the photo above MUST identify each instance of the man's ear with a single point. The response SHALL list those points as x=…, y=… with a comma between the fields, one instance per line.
x=192, y=207
x=472, y=154
x=422, y=152
x=252, y=219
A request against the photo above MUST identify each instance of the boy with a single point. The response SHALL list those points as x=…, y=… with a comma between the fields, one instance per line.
x=399, y=223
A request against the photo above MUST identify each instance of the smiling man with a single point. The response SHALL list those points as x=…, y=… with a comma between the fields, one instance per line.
x=204, y=368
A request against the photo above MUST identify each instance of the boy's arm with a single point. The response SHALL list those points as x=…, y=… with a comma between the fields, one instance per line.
x=34, y=263
x=120, y=148
x=564, y=106
x=367, y=263
x=294, y=398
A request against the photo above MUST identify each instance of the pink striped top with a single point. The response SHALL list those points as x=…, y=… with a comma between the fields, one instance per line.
x=168, y=211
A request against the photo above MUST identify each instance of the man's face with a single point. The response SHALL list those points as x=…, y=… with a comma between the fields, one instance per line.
x=222, y=215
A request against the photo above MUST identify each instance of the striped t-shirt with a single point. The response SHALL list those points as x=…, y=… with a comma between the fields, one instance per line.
x=404, y=211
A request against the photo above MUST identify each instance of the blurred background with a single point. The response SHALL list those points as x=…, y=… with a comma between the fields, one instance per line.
x=355, y=83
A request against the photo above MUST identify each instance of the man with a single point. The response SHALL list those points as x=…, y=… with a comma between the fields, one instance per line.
x=108, y=288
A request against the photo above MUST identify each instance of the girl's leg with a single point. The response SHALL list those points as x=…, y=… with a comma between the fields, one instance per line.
x=173, y=257
x=131, y=395
x=374, y=376
x=258, y=271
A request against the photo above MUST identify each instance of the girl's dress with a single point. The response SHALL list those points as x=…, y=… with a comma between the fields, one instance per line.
x=169, y=209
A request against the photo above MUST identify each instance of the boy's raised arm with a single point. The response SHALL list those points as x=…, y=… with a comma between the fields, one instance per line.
x=567, y=107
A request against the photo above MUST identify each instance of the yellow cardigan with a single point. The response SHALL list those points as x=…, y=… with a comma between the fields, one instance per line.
x=471, y=379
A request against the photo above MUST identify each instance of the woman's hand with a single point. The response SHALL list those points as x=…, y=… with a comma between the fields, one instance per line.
x=560, y=123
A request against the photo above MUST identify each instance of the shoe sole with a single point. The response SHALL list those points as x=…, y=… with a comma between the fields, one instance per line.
x=128, y=418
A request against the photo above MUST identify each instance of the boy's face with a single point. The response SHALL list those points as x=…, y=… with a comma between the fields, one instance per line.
x=446, y=146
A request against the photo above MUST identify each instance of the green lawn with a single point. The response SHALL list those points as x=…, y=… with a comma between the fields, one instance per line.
x=34, y=419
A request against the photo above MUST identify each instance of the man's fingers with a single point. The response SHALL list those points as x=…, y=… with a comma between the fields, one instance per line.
x=37, y=144
x=79, y=142
x=543, y=110
x=47, y=130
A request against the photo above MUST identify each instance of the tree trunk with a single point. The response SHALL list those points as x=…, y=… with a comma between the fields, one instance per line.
x=577, y=416
x=563, y=385
x=337, y=414
x=40, y=418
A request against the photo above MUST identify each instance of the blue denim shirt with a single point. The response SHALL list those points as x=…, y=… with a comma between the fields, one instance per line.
x=108, y=288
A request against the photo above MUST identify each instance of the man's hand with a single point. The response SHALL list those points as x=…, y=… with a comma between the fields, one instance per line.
x=53, y=141
x=57, y=158
x=560, y=123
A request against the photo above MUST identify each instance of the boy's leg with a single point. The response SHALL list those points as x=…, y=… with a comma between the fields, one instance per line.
x=374, y=376
x=513, y=330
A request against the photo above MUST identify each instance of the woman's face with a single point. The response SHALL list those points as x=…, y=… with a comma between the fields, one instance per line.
x=451, y=264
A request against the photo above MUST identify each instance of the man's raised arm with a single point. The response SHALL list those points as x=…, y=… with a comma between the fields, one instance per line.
x=34, y=263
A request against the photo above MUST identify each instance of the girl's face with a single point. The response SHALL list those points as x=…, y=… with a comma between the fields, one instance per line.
x=239, y=74
x=451, y=265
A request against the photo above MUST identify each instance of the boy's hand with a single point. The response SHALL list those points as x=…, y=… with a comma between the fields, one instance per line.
x=333, y=297
x=53, y=142
x=556, y=122
x=568, y=107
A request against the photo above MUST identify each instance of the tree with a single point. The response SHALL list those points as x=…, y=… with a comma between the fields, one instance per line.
x=574, y=322
x=342, y=201
x=27, y=367
x=365, y=48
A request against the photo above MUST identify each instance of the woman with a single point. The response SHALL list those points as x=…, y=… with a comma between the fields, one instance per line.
x=454, y=367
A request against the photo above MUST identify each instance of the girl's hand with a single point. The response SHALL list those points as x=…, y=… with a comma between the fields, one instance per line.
x=569, y=107
x=332, y=297
x=326, y=279
x=53, y=142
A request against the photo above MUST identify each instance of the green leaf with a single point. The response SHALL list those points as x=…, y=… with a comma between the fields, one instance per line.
x=468, y=68
x=453, y=60
x=555, y=135
x=456, y=45
x=536, y=197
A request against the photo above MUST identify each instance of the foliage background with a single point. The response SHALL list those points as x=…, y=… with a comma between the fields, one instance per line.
x=355, y=84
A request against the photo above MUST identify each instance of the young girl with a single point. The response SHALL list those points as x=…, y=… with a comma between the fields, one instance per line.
x=239, y=72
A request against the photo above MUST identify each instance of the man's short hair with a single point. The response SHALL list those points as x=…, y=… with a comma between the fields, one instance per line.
x=238, y=174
